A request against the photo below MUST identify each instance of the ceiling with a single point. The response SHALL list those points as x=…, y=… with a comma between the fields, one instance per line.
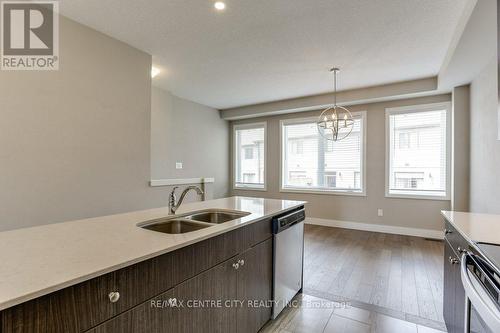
x=259, y=51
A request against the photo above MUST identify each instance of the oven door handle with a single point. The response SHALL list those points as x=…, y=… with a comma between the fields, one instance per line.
x=479, y=298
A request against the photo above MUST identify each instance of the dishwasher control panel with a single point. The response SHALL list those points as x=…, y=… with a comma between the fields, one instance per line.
x=281, y=223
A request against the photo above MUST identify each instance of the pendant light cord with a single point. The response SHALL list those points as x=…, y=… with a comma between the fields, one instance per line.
x=335, y=87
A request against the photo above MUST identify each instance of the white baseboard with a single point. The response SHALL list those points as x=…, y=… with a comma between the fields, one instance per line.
x=186, y=181
x=389, y=229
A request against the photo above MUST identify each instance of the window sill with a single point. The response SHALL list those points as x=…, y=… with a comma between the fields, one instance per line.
x=250, y=188
x=327, y=192
x=409, y=195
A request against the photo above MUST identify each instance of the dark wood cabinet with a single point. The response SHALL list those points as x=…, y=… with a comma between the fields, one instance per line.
x=453, y=291
x=255, y=287
x=146, y=317
x=196, y=305
x=459, y=302
x=449, y=287
x=194, y=276
x=254, y=234
x=203, y=301
x=73, y=309
x=206, y=302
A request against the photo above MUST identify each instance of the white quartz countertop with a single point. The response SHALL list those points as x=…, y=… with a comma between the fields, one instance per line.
x=475, y=227
x=39, y=260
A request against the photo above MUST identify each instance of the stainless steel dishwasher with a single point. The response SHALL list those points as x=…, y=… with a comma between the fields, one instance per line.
x=288, y=233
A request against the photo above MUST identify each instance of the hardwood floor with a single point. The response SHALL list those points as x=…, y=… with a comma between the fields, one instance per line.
x=398, y=275
x=359, y=281
x=314, y=315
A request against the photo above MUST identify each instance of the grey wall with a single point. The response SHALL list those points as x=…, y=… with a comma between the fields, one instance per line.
x=380, y=93
x=460, y=174
x=474, y=61
x=410, y=213
x=191, y=133
x=485, y=148
x=75, y=143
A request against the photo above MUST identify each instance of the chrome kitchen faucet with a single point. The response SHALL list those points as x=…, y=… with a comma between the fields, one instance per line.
x=172, y=205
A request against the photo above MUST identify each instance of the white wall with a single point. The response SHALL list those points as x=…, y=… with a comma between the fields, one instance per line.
x=191, y=133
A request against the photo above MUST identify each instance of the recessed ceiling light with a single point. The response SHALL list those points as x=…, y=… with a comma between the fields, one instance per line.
x=219, y=5
x=154, y=71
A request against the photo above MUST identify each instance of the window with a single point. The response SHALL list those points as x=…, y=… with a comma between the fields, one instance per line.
x=248, y=153
x=418, y=151
x=249, y=160
x=409, y=179
x=404, y=140
x=310, y=163
x=331, y=179
x=249, y=178
x=300, y=177
x=297, y=147
x=357, y=179
x=329, y=146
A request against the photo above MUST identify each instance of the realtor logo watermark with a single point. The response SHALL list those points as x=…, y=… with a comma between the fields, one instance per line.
x=29, y=35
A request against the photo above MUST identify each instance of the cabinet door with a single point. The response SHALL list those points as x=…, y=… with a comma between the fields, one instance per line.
x=449, y=288
x=459, y=300
x=205, y=301
x=255, y=287
x=453, y=293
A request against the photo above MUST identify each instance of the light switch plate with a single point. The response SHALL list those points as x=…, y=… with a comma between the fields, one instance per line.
x=380, y=212
x=178, y=165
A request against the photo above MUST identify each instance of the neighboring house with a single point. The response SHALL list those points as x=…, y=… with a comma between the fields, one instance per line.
x=418, y=162
x=313, y=161
x=251, y=166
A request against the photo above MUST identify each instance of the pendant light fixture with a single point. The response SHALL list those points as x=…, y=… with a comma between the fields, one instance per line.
x=335, y=123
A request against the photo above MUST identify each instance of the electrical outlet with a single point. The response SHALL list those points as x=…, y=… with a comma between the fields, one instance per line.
x=380, y=212
x=178, y=165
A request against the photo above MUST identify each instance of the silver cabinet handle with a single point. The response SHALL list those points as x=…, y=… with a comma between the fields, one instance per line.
x=114, y=296
x=241, y=262
x=453, y=261
x=236, y=265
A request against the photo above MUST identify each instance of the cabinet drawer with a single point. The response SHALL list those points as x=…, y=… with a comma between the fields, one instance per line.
x=143, y=318
x=73, y=309
x=254, y=234
x=457, y=242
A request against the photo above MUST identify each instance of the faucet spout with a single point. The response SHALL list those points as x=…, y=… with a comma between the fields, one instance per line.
x=173, y=205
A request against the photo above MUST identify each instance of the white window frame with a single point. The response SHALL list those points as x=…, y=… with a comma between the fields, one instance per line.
x=249, y=187
x=292, y=121
x=414, y=109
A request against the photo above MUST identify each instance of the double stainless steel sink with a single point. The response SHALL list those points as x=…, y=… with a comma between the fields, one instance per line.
x=180, y=224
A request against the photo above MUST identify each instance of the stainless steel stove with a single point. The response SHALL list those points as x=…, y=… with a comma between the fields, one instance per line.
x=480, y=275
x=491, y=252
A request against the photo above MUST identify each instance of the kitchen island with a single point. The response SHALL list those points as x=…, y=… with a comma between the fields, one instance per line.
x=104, y=274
